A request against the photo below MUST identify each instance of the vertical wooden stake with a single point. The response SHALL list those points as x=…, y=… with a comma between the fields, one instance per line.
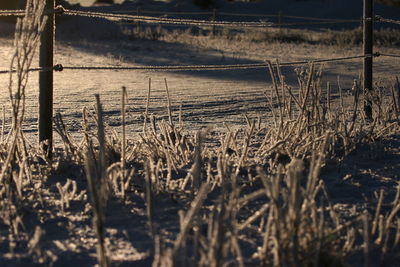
x=368, y=35
x=46, y=81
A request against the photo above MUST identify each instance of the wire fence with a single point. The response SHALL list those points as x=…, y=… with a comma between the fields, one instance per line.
x=47, y=49
x=191, y=22
x=210, y=13
x=60, y=67
x=12, y=13
x=170, y=21
x=390, y=55
x=217, y=67
x=197, y=22
x=139, y=11
x=57, y=67
x=391, y=21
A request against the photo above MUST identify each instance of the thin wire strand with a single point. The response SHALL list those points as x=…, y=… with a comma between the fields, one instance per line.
x=192, y=67
x=321, y=19
x=171, y=68
x=287, y=16
x=189, y=22
x=56, y=68
x=390, y=55
x=247, y=15
x=314, y=23
x=157, y=20
x=161, y=12
x=10, y=13
x=207, y=67
x=237, y=15
x=392, y=21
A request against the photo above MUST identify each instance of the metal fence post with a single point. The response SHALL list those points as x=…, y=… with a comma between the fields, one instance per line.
x=46, y=81
x=368, y=33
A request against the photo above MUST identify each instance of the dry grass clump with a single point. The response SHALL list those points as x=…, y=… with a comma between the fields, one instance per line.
x=257, y=197
x=305, y=118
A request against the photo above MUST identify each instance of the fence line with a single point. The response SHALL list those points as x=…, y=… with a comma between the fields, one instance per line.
x=163, y=12
x=57, y=67
x=157, y=20
x=191, y=22
x=313, y=23
x=237, y=15
x=272, y=25
x=390, y=55
x=322, y=19
x=60, y=67
x=14, y=13
x=216, y=67
x=392, y=21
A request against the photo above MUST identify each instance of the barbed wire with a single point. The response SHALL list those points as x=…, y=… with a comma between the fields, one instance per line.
x=321, y=19
x=9, y=13
x=195, y=13
x=161, y=20
x=171, y=68
x=287, y=16
x=57, y=67
x=392, y=21
x=312, y=23
x=215, y=67
x=187, y=22
x=162, y=12
x=190, y=22
x=390, y=55
x=246, y=15
x=158, y=20
x=272, y=25
x=60, y=67
x=237, y=15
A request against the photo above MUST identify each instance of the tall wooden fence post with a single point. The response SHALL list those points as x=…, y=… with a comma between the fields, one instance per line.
x=368, y=35
x=46, y=81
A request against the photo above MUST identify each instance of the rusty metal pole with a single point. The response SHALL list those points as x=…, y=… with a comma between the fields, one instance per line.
x=46, y=81
x=368, y=35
